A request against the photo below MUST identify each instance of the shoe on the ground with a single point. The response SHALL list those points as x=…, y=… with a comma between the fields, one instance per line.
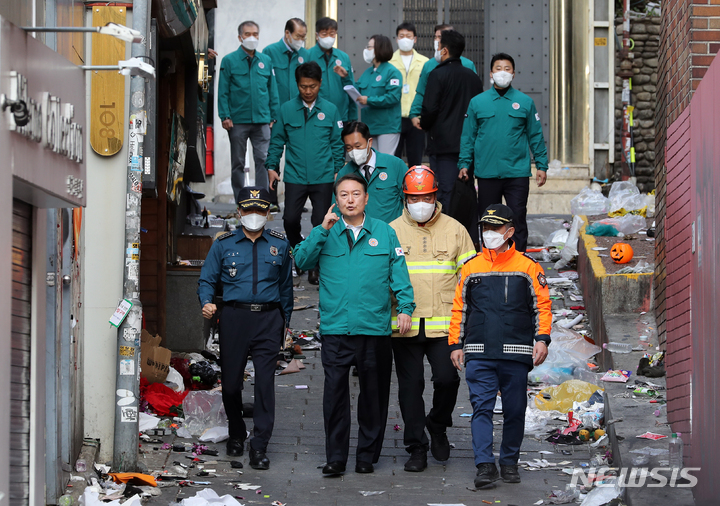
x=498, y=405
x=439, y=446
x=510, y=474
x=363, y=467
x=274, y=208
x=417, y=461
x=313, y=276
x=258, y=460
x=486, y=475
x=298, y=272
x=234, y=447
x=334, y=468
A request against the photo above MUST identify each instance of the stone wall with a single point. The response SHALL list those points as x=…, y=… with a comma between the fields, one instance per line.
x=645, y=32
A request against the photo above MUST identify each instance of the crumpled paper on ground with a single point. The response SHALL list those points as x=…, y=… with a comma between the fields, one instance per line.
x=91, y=497
x=208, y=497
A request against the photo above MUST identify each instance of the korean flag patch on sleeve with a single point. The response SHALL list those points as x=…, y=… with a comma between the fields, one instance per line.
x=399, y=252
x=537, y=116
x=394, y=82
x=340, y=124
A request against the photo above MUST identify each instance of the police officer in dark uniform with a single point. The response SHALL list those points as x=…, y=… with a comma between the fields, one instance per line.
x=255, y=268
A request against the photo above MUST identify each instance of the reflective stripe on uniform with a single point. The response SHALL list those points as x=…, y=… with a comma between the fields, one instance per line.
x=463, y=258
x=435, y=323
x=443, y=267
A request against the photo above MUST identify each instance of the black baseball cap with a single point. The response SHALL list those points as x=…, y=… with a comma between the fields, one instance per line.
x=254, y=197
x=497, y=214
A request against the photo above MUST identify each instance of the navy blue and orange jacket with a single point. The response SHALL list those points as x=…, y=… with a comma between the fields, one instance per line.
x=501, y=307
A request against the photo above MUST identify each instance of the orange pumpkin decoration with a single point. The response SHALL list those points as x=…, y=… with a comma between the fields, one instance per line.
x=621, y=253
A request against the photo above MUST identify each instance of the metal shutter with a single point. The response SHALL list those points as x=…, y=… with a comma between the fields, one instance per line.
x=20, y=360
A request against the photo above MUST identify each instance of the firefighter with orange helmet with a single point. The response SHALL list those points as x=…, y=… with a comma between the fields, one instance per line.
x=435, y=247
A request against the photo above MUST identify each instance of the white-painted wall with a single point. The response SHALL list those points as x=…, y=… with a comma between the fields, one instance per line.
x=103, y=262
x=271, y=16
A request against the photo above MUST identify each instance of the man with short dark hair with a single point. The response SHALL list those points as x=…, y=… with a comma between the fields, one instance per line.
x=286, y=55
x=247, y=104
x=449, y=90
x=410, y=64
x=361, y=263
x=336, y=68
x=501, y=127
x=309, y=129
x=383, y=173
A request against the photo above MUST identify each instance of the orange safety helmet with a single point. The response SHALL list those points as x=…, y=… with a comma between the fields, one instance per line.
x=419, y=180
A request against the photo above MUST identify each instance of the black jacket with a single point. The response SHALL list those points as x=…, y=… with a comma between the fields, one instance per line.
x=450, y=87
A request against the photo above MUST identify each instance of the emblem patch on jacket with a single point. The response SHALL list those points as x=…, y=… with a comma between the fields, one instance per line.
x=541, y=279
x=399, y=252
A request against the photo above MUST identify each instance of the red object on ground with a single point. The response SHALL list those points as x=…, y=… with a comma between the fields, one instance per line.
x=160, y=398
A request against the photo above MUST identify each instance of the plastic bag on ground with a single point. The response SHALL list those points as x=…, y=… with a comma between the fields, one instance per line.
x=602, y=494
x=621, y=188
x=601, y=229
x=175, y=381
x=557, y=239
x=91, y=497
x=562, y=396
x=147, y=422
x=642, y=267
x=571, y=245
x=208, y=497
x=214, y=435
x=628, y=224
x=541, y=227
x=625, y=196
x=536, y=420
x=589, y=202
x=204, y=410
x=568, y=354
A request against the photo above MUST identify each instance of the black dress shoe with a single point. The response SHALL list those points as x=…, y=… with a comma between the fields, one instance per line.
x=334, y=468
x=486, y=475
x=235, y=447
x=417, y=461
x=313, y=276
x=364, y=467
x=258, y=460
x=439, y=446
x=510, y=474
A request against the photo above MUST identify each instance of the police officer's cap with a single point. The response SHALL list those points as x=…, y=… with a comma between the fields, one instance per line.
x=497, y=214
x=254, y=197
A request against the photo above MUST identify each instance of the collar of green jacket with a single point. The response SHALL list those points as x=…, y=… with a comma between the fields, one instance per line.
x=499, y=258
x=509, y=94
x=341, y=227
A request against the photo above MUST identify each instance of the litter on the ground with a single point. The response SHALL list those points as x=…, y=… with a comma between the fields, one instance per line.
x=652, y=436
x=367, y=493
x=208, y=497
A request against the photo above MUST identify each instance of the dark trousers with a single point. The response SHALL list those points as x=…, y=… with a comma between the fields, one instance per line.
x=412, y=142
x=260, y=334
x=446, y=171
x=516, y=191
x=484, y=378
x=295, y=197
x=372, y=355
x=410, y=369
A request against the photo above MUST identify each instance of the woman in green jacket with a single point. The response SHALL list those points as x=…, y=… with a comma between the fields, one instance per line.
x=380, y=88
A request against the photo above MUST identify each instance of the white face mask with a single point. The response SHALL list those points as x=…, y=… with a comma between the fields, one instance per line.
x=326, y=42
x=502, y=79
x=405, y=44
x=435, y=44
x=253, y=222
x=368, y=55
x=492, y=239
x=251, y=43
x=297, y=45
x=359, y=156
x=421, y=211
x=438, y=56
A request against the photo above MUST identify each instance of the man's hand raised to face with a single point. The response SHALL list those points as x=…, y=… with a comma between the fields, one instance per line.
x=330, y=219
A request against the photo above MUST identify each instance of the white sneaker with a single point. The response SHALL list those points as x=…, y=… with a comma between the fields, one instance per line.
x=498, y=406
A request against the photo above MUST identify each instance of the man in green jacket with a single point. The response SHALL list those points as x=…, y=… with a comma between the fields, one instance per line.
x=336, y=68
x=361, y=263
x=247, y=104
x=286, y=55
x=501, y=127
x=308, y=127
x=383, y=173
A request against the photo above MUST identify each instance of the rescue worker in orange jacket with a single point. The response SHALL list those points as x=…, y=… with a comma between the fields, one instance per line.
x=435, y=246
x=500, y=328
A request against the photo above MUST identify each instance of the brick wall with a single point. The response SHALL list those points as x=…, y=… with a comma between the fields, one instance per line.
x=679, y=274
x=689, y=40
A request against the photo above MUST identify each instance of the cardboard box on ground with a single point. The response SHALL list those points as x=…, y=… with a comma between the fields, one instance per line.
x=155, y=360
